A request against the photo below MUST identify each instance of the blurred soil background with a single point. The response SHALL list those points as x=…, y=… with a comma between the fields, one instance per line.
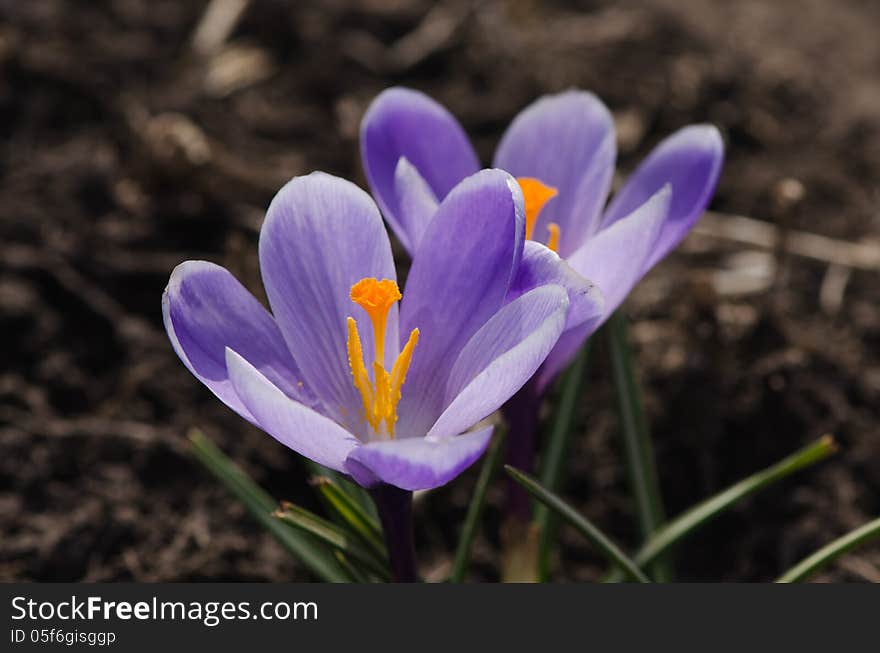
x=140, y=133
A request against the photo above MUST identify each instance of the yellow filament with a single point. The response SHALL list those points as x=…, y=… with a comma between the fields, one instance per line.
x=553, y=240
x=381, y=396
x=401, y=366
x=359, y=370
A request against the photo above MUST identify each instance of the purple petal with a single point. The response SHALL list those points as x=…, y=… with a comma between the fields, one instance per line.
x=566, y=141
x=615, y=258
x=402, y=122
x=205, y=310
x=690, y=161
x=541, y=266
x=322, y=234
x=292, y=424
x=564, y=351
x=417, y=203
x=458, y=280
x=417, y=463
x=501, y=357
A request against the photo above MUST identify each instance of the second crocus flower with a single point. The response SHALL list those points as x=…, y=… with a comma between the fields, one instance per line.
x=562, y=151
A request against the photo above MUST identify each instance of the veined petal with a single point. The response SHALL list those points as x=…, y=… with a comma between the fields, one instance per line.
x=205, y=310
x=292, y=424
x=402, y=122
x=323, y=234
x=615, y=258
x=567, y=142
x=541, y=266
x=564, y=351
x=690, y=161
x=459, y=278
x=501, y=357
x=417, y=203
x=417, y=463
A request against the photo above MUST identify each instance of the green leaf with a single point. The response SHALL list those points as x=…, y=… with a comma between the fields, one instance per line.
x=553, y=460
x=830, y=552
x=636, y=438
x=331, y=534
x=585, y=527
x=475, y=509
x=260, y=504
x=349, y=513
x=690, y=520
x=357, y=575
x=354, y=491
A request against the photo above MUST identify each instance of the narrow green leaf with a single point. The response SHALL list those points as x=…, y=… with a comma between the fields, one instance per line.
x=690, y=520
x=349, y=513
x=475, y=509
x=585, y=527
x=357, y=575
x=354, y=491
x=260, y=504
x=333, y=535
x=830, y=552
x=637, y=445
x=553, y=460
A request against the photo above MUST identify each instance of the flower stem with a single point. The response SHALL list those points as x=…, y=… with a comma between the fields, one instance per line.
x=395, y=513
x=522, y=416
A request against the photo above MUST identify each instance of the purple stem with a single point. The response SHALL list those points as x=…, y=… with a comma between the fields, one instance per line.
x=522, y=415
x=395, y=513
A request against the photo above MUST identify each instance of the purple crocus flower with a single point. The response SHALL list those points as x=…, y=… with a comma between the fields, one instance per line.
x=340, y=375
x=562, y=150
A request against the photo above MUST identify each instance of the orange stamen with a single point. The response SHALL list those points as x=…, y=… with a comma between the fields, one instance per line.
x=381, y=396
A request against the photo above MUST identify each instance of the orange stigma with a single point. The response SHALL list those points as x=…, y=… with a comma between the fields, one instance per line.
x=536, y=194
x=376, y=298
x=382, y=394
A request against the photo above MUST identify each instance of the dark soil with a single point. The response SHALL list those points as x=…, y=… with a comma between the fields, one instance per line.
x=123, y=152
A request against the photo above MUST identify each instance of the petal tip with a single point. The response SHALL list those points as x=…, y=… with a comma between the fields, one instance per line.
x=703, y=137
x=417, y=463
x=307, y=188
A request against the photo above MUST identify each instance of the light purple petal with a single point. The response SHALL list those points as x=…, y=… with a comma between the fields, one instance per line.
x=564, y=352
x=402, y=122
x=292, y=424
x=501, y=357
x=690, y=161
x=566, y=141
x=459, y=279
x=417, y=463
x=205, y=310
x=322, y=234
x=417, y=203
x=615, y=258
x=541, y=266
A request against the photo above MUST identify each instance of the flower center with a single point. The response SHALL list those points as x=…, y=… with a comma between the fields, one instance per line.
x=536, y=194
x=382, y=394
